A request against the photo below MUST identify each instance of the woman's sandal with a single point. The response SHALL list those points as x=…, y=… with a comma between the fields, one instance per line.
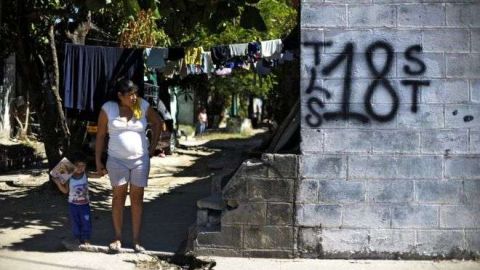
x=115, y=246
x=138, y=248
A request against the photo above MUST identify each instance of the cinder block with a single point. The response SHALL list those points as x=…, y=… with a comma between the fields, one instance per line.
x=475, y=91
x=443, y=192
x=310, y=242
x=315, y=215
x=371, y=16
x=396, y=141
x=475, y=40
x=463, y=65
x=246, y=213
x=305, y=97
x=462, y=115
x=475, y=142
x=336, y=88
x=348, y=1
x=277, y=254
x=395, y=167
x=344, y=240
x=446, y=91
x=446, y=40
x=390, y=191
x=415, y=216
x=472, y=191
x=340, y=191
x=460, y=216
x=445, y=141
x=428, y=116
x=348, y=140
x=252, y=168
x=399, y=39
x=324, y=166
x=360, y=69
x=462, y=167
x=236, y=189
x=323, y=16
x=473, y=240
x=386, y=240
x=324, y=124
x=268, y=237
x=361, y=39
x=308, y=191
x=434, y=68
x=229, y=236
x=404, y=93
x=280, y=190
x=281, y=165
x=280, y=214
x=440, y=242
x=366, y=216
x=311, y=35
x=372, y=124
x=421, y=15
x=463, y=15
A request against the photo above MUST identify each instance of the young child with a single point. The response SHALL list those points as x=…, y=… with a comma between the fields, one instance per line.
x=78, y=200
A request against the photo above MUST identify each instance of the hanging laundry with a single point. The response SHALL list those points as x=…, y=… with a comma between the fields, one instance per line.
x=264, y=67
x=271, y=48
x=239, y=49
x=193, y=56
x=223, y=71
x=172, y=68
x=254, y=51
x=220, y=54
x=207, y=62
x=90, y=73
x=156, y=57
x=175, y=54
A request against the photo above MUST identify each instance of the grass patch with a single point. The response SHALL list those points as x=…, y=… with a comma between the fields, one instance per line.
x=225, y=136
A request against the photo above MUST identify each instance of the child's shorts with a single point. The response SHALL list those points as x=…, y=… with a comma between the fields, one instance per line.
x=122, y=171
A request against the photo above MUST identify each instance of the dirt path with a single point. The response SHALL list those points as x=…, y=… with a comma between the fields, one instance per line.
x=34, y=216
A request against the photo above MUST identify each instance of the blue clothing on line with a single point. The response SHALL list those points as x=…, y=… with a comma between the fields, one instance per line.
x=80, y=220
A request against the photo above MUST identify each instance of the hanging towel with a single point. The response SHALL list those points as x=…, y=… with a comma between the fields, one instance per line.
x=238, y=49
x=156, y=57
x=193, y=56
x=220, y=54
x=90, y=73
x=271, y=48
x=207, y=62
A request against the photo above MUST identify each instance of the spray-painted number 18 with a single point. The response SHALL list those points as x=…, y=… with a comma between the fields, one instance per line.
x=314, y=118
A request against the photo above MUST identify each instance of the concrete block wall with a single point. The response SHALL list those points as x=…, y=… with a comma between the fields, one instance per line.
x=390, y=94
x=259, y=219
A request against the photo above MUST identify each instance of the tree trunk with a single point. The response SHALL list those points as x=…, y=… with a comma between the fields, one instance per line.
x=33, y=72
x=55, y=89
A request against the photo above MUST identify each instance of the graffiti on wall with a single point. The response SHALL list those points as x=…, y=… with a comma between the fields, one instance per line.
x=379, y=74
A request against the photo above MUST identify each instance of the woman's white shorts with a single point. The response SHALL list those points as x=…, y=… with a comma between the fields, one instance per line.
x=122, y=171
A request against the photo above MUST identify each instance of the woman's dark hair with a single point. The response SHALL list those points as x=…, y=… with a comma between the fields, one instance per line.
x=123, y=87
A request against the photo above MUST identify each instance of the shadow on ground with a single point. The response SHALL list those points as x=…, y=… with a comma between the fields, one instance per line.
x=34, y=217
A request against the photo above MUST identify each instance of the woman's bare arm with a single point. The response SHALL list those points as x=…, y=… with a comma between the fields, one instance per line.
x=102, y=128
x=156, y=123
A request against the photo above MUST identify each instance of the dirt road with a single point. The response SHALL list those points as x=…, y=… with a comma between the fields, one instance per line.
x=34, y=216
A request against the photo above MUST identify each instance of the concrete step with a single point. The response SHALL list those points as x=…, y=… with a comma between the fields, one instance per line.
x=214, y=202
